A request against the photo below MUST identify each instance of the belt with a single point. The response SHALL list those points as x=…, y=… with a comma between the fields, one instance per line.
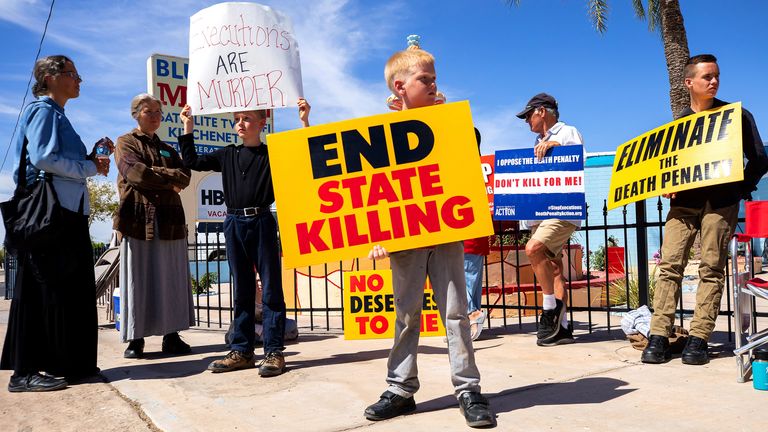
x=248, y=211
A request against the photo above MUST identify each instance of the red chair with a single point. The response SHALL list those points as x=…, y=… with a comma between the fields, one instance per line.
x=746, y=290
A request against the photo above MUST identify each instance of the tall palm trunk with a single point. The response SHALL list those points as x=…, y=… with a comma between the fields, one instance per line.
x=676, y=52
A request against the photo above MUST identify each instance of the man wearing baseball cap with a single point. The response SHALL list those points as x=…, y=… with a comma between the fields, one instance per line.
x=548, y=237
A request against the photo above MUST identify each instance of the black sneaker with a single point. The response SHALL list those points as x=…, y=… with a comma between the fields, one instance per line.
x=172, y=344
x=475, y=409
x=135, y=349
x=695, y=351
x=563, y=336
x=35, y=383
x=390, y=405
x=657, y=350
x=550, y=320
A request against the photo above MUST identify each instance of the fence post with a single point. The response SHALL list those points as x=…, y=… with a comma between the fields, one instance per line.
x=642, y=252
x=7, y=268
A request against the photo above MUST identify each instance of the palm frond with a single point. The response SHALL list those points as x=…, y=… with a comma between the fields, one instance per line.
x=654, y=15
x=598, y=13
x=637, y=5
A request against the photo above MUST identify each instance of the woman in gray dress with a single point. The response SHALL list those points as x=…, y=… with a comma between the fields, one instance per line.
x=155, y=289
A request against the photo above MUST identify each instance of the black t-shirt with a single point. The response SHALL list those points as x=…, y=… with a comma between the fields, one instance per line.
x=724, y=195
x=245, y=172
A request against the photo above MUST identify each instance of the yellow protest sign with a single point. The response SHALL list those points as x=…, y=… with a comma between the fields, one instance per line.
x=403, y=180
x=699, y=150
x=369, y=307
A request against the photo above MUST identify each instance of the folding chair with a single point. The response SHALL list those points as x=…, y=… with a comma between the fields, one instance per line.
x=746, y=291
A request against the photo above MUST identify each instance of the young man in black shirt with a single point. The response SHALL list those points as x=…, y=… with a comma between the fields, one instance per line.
x=711, y=210
x=251, y=237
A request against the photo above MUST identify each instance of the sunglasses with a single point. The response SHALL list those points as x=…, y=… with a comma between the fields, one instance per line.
x=72, y=74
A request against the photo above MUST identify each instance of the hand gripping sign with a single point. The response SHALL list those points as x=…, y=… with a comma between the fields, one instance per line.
x=403, y=180
x=701, y=149
x=242, y=56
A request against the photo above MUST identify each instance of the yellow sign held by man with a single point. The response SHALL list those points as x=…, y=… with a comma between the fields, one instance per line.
x=699, y=150
x=403, y=180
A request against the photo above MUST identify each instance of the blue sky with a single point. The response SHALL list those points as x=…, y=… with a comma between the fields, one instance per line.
x=612, y=87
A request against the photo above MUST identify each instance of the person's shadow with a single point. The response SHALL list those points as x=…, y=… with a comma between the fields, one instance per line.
x=582, y=391
x=142, y=370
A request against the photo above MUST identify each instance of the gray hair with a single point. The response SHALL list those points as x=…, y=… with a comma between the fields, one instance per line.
x=554, y=112
x=138, y=102
x=47, y=66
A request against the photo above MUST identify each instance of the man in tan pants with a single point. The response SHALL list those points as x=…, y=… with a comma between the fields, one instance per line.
x=711, y=210
x=548, y=237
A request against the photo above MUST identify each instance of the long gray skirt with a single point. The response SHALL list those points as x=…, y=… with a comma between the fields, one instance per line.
x=155, y=289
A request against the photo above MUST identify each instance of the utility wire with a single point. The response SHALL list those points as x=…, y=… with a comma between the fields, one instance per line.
x=24, y=100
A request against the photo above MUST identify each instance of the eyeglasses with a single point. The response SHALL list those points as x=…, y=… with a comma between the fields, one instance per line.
x=72, y=74
x=531, y=113
x=152, y=113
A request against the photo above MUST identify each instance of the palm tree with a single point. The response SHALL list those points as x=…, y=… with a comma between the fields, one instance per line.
x=663, y=16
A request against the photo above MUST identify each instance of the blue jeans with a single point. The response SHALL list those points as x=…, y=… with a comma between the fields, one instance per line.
x=252, y=240
x=473, y=272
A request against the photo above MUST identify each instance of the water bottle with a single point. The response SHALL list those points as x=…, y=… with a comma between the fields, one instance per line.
x=103, y=148
x=760, y=368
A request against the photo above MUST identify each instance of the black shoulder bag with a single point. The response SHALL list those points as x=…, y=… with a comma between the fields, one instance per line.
x=32, y=216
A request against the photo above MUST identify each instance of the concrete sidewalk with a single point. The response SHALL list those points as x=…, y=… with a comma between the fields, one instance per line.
x=597, y=384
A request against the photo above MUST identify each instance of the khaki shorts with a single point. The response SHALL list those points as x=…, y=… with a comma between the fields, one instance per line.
x=554, y=234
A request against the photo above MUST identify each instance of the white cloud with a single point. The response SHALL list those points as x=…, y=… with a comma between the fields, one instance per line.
x=110, y=42
x=7, y=185
x=20, y=11
x=501, y=130
x=334, y=38
x=101, y=231
x=6, y=109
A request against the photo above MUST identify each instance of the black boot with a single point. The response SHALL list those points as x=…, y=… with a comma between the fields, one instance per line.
x=695, y=351
x=657, y=350
x=135, y=349
x=172, y=344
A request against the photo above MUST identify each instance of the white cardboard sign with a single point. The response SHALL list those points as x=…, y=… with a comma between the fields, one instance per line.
x=242, y=56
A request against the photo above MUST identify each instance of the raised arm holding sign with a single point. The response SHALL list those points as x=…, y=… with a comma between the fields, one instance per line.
x=244, y=60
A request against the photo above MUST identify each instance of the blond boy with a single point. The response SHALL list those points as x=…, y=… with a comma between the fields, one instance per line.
x=410, y=75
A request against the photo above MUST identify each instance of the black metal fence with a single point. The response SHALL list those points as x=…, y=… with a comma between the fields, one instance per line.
x=318, y=296
x=605, y=286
